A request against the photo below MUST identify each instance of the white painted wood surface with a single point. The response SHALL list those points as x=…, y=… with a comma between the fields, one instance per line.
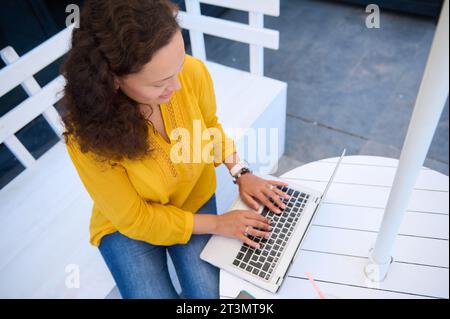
x=44, y=227
x=336, y=249
x=268, y=7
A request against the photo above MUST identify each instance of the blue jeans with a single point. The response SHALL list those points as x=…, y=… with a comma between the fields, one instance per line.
x=140, y=269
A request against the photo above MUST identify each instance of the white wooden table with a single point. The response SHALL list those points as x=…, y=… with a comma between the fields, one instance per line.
x=336, y=249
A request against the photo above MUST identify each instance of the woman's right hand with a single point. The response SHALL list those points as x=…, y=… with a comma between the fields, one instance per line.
x=238, y=223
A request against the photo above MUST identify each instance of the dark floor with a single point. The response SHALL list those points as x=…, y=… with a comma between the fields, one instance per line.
x=348, y=86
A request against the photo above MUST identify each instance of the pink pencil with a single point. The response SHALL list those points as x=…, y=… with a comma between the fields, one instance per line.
x=320, y=293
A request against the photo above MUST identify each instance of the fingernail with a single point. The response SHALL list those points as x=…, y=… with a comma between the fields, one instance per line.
x=278, y=211
x=258, y=246
x=270, y=227
x=283, y=205
x=267, y=235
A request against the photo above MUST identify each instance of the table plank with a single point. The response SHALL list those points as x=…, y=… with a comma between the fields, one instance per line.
x=373, y=196
x=425, y=251
x=301, y=288
x=414, y=223
x=382, y=176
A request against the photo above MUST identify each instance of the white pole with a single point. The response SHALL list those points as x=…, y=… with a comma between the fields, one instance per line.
x=430, y=102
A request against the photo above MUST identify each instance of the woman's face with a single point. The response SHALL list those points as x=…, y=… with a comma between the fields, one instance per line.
x=158, y=79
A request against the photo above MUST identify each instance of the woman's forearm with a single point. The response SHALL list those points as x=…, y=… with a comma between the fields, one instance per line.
x=231, y=160
x=205, y=224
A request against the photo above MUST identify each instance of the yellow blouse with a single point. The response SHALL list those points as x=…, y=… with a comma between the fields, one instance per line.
x=154, y=199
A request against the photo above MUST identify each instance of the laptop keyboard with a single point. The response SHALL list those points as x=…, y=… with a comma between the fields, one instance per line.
x=261, y=262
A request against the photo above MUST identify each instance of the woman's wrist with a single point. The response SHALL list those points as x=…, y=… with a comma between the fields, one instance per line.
x=205, y=224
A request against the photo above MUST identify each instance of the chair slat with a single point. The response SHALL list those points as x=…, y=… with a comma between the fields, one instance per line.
x=31, y=87
x=19, y=151
x=32, y=107
x=35, y=60
x=230, y=30
x=197, y=38
x=256, y=20
x=268, y=7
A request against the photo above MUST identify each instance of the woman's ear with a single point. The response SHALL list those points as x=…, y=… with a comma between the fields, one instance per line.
x=116, y=83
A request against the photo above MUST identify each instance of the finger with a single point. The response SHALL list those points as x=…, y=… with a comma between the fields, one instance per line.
x=265, y=201
x=271, y=194
x=258, y=233
x=277, y=183
x=250, y=201
x=255, y=216
x=249, y=242
x=258, y=224
x=281, y=193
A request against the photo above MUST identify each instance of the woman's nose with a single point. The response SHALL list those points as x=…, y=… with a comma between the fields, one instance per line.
x=175, y=84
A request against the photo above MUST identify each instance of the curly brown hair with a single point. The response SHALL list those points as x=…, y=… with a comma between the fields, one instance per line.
x=116, y=37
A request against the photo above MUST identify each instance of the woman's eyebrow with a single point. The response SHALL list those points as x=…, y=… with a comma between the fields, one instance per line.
x=172, y=75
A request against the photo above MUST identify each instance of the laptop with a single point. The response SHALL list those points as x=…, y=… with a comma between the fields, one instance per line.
x=267, y=266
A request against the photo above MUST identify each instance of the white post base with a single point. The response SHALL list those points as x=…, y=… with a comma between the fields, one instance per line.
x=375, y=271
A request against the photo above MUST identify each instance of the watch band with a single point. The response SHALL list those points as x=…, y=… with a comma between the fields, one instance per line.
x=243, y=171
x=236, y=168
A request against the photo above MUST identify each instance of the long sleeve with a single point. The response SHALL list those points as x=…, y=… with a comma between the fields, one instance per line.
x=118, y=201
x=208, y=107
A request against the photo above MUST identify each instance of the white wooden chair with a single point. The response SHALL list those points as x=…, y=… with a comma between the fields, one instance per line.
x=45, y=211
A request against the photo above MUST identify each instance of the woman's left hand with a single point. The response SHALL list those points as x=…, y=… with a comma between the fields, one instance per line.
x=252, y=187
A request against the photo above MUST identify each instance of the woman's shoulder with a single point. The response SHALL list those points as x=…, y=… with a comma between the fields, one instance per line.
x=194, y=71
x=192, y=64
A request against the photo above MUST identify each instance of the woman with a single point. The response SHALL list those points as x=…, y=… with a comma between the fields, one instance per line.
x=130, y=90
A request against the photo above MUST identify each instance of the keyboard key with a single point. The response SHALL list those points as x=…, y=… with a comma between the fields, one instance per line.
x=236, y=262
